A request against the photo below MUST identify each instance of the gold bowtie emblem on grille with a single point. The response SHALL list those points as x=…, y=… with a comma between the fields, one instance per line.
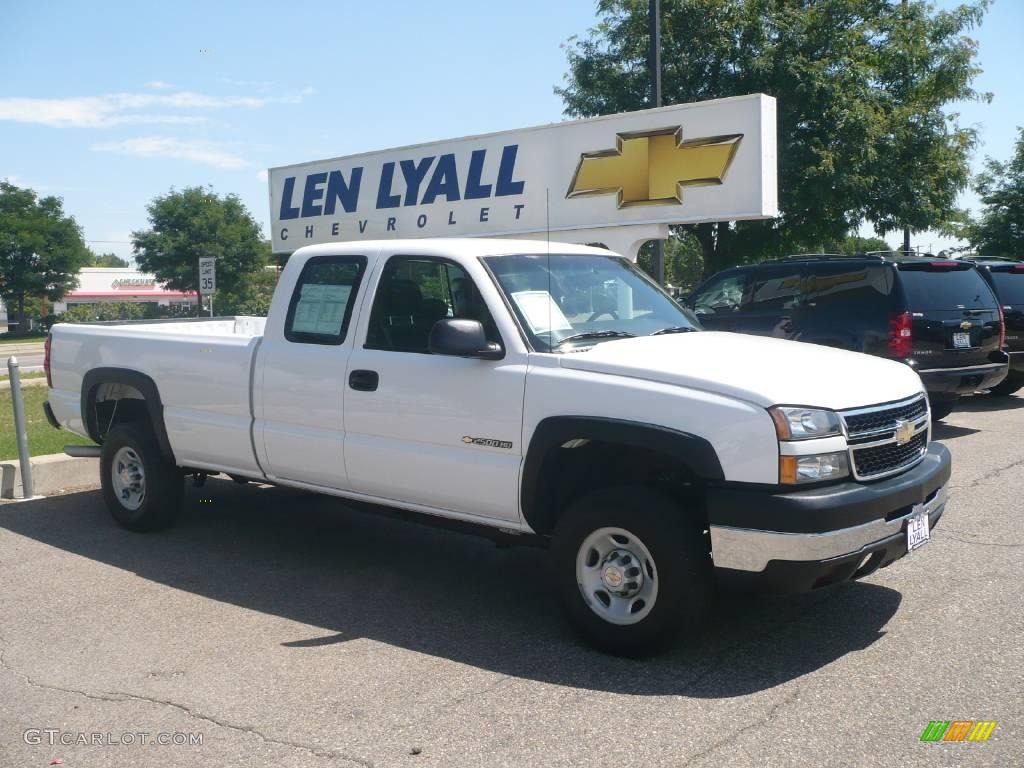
x=905, y=432
x=966, y=325
x=652, y=167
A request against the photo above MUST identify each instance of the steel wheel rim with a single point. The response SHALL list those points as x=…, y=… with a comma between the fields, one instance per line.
x=128, y=478
x=617, y=576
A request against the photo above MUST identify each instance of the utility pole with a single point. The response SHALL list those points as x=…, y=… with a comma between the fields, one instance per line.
x=654, y=24
x=906, y=230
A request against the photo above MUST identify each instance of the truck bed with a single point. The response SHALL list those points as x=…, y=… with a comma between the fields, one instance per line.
x=201, y=367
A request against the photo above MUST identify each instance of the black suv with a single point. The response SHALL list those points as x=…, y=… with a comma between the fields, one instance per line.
x=1006, y=277
x=937, y=315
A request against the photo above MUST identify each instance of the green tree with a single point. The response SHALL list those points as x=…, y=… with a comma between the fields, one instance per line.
x=108, y=260
x=854, y=244
x=860, y=86
x=194, y=223
x=41, y=249
x=999, y=231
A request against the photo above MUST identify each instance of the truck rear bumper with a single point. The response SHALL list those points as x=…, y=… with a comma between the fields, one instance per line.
x=822, y=536
x=962, y=381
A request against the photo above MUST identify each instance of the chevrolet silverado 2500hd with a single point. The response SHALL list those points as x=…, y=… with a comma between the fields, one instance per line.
x=559, y=395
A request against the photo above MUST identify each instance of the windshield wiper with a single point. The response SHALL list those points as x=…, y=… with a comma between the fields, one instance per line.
x=597, y=335
x=674, y=329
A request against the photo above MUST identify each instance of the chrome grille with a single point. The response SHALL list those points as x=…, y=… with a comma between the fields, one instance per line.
x=872, y=435
x=869, y=462
x=885, y=418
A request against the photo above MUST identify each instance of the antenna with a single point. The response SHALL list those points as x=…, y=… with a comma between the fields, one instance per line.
x=551, y=299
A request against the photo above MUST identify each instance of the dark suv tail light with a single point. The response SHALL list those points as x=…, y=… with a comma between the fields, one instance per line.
x=901, y=335
x=1002, y=326
x=46, y=361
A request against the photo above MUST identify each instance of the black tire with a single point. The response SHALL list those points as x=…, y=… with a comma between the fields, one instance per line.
x=942, y=410
x=162, y=484
x=680, y=551
x=1007, y=386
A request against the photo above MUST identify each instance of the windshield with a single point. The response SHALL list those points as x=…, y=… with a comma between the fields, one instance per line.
x=590, y=298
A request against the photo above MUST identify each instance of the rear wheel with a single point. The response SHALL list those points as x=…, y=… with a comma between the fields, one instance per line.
x=1007, y=386
x=143, y=491
x=942, y=410
x=632, y=570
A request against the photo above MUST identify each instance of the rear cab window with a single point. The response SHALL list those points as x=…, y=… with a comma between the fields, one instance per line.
x=1009, y=285
x=321, y=305
x=940, y=286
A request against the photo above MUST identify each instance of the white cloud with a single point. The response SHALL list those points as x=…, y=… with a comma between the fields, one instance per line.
x=262, y=175
x=122, y=108
x=201, y=152
x=159, y=85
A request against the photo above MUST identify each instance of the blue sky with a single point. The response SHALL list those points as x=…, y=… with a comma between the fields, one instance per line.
x=110, y=104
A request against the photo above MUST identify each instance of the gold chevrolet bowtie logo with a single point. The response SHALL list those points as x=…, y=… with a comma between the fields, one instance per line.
x=652, y=167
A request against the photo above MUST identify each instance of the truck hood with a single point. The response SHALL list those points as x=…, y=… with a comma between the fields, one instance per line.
x=757, y=369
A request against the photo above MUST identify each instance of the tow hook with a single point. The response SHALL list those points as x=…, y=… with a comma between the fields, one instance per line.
x=198, y=479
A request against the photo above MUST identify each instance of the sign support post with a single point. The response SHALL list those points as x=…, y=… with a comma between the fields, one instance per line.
x=207, y=279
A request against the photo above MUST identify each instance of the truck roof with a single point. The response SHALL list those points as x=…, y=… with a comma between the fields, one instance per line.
x=450, y=246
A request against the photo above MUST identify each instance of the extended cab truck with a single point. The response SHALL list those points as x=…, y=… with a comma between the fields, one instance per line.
x=557, y=396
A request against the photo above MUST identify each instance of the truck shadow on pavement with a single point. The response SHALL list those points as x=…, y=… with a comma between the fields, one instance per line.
x=349, y=575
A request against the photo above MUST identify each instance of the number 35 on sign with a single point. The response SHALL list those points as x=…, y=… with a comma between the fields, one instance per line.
x=207, y=276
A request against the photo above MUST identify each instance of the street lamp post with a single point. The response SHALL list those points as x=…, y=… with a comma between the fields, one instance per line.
x=654, y=25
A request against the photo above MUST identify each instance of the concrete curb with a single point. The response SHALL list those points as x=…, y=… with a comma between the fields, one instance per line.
x=50, y=474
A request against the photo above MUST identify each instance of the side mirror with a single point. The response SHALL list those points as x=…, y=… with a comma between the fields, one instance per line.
x=463, y=338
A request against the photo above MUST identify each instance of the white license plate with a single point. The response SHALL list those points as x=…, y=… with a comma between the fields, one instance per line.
x=917, y=531
x=961, y=340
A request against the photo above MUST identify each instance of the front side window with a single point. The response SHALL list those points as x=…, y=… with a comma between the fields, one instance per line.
x=416, y=292
x=321, y=306
x=565, y=301
x=721, y=297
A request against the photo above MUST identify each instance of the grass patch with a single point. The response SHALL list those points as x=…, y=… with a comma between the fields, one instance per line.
x=42, y=438
x=4, y=376
x=6, y=338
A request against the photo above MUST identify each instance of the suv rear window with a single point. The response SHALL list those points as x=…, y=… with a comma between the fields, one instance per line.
x=1010, y=286
x=930, y=288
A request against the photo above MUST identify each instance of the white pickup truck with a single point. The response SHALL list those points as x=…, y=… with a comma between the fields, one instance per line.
x=548, y=393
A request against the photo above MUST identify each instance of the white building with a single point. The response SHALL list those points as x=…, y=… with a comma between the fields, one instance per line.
x=103, y=285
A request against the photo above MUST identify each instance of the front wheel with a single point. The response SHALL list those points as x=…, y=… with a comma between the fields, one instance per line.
x=143, y=491
x=632, y=569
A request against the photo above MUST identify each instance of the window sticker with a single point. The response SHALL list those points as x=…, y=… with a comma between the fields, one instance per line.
x=541, y=311
x=321, y=309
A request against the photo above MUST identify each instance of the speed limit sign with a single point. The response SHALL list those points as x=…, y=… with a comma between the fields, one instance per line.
x=207, y=276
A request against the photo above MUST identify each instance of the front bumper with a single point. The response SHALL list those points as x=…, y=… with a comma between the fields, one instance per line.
x=806, y=539
x=1016, y=364
x=962, y=381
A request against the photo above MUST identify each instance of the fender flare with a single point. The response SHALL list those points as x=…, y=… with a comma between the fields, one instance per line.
x=695, y=452
x=96, y=377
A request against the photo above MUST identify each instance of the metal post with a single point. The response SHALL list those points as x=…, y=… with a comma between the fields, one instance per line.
x=654, y=25
x=20, y=431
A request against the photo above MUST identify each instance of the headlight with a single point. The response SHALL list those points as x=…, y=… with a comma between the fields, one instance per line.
x=815, y=468
x=804, y=423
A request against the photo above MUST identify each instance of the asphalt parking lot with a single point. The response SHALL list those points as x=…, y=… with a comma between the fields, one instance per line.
x=289, y=630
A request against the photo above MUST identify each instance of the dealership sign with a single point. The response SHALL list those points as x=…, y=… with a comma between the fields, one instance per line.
x=710, y=161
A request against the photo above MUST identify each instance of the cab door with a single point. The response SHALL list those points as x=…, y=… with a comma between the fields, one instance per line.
x=299, y=379
x=433, y=430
